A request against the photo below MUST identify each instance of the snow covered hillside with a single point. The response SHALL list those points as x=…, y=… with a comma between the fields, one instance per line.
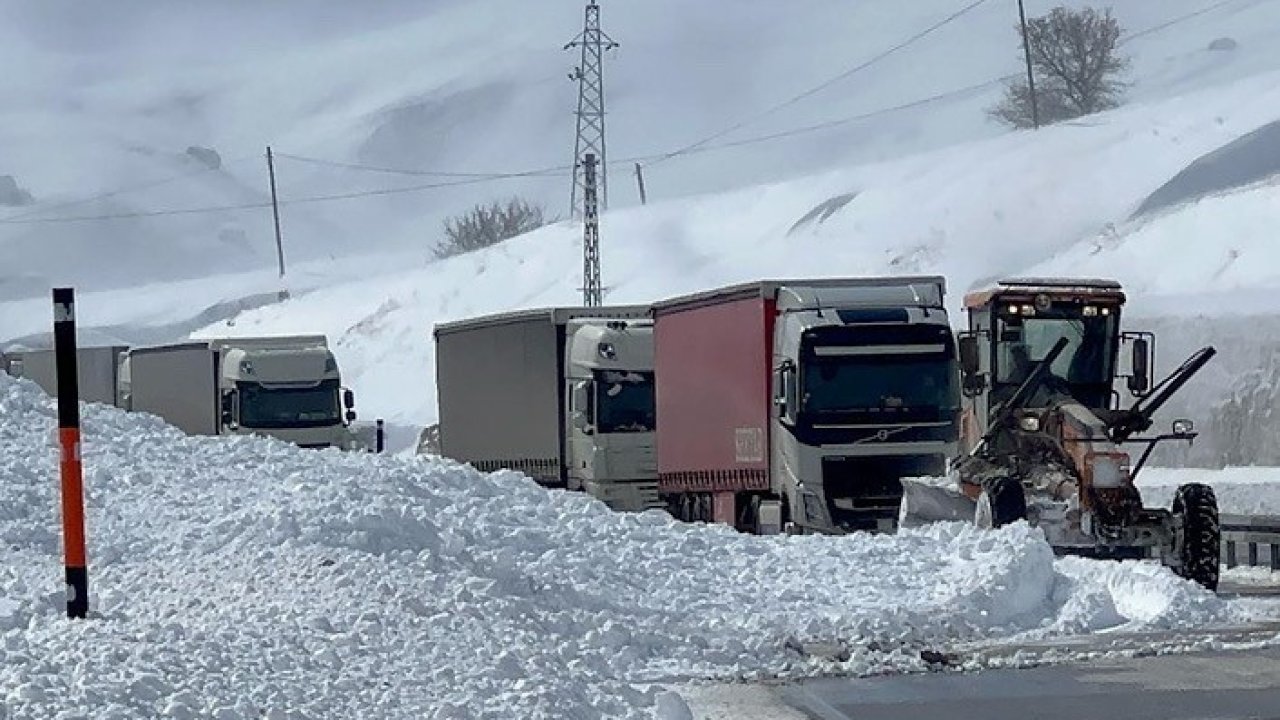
x=1018, y=204
x=116, y=110
x=246, y=578
x=479, y=86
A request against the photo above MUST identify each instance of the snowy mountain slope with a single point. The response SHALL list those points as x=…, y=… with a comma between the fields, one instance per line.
x=481, y=86
x=246, y=578
x=1021, y=203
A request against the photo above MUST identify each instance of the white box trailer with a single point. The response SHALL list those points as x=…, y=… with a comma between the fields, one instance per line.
x=95, y=366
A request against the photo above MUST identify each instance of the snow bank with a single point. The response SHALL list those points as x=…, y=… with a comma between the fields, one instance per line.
x=1240, y=491
x=245, y=578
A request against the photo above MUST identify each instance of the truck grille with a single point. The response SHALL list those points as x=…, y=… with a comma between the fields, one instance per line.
x=863, y=490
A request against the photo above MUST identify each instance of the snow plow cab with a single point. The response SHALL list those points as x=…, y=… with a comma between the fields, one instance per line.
x=1043, y=437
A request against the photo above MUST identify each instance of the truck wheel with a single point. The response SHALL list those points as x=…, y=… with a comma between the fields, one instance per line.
x=1001, y=502
x=1199, y=546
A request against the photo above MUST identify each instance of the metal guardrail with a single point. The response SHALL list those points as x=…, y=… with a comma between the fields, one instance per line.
x=1251, y=540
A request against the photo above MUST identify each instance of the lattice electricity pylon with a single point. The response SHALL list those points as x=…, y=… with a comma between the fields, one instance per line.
x=590, y=77
x=592, y=292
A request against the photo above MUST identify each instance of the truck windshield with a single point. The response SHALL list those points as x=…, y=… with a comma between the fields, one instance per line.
x=878, y=383
x=624, y=401
x=269, y=407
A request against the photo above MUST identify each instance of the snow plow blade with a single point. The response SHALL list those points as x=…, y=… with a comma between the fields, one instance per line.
x=929, y=500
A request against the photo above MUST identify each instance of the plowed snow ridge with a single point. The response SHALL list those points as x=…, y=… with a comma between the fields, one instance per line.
x=245, y=578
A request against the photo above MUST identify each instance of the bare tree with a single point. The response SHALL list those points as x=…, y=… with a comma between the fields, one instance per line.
x=1076, y=66
x=486, y=225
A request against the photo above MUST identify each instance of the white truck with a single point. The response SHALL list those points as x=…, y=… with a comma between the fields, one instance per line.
x=284, y=387
x=95, y=367
x=564, y=395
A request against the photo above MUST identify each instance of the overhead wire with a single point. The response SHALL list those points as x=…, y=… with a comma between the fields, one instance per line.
x=471, y=178
x=823, y=85
x=42, y=209
x=653, y=158
x=555, y=170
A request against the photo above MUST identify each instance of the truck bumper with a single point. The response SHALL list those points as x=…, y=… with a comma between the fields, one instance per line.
x=626, y=495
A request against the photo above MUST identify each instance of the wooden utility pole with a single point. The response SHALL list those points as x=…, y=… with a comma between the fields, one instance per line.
x=1031, y=76
x=644, y=199
x=275, y=210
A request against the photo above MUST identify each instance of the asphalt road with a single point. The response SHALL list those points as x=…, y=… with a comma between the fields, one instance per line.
x=1200, y=686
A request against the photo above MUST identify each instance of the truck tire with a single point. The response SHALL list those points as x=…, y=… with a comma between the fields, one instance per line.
x=1001, y=502
x=1199, y=545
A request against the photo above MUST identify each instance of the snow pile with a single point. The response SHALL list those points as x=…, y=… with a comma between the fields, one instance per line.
x=1240, y=490
x=245, y=578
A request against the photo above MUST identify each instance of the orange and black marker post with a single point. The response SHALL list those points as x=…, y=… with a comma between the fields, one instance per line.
x=64, y=348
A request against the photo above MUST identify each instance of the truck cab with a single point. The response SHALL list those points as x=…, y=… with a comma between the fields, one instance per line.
x=283, y=387
x=866, y=392
x=292, y=393
x=609, y=393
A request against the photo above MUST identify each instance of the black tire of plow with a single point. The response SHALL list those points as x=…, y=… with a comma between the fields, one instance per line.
x=1200, y=550
x=1008, y=500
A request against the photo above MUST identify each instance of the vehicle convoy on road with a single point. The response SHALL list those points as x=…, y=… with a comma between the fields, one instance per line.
x=283, y=387
x=801, y=405
x=563, y=395
x=95, y=369
x=1043, y=433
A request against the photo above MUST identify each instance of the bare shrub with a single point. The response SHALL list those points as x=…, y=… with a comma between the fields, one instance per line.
x=1076, y=66
x=489, y=224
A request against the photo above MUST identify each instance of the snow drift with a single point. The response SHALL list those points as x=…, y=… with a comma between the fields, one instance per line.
x=243, y=578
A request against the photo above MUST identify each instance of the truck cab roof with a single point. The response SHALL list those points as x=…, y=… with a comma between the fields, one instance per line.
x=813, y=294
x=553, y=315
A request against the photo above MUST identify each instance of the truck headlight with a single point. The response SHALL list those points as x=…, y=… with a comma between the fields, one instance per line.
x=1183, y=427
x=1109, y=471
x=1029, y=423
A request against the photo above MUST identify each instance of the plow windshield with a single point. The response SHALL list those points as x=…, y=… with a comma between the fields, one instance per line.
x=1084, y=369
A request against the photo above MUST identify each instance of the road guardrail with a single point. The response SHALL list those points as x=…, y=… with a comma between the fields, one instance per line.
x=1251, y=540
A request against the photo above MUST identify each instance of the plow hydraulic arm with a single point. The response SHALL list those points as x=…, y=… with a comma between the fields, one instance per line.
x=1139, y=417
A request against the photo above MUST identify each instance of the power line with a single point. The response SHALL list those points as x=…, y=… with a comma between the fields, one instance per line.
x=654, y=158
x=826, y=84
x=473, y=178
x=260, y=205
x=120, y=191
x=1175, y=21
x=547, y=171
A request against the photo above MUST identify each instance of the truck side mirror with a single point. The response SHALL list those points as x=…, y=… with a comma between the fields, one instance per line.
x=1140, y=378
x=229, y=402
x=583, y=417
x=348, y=399
x=972, y=379
x=783, y=392
x=351, y=416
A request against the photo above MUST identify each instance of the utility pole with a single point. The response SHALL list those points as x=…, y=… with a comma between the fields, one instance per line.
x=592, y=293
x=644, y=198
x=275, y=212
x=590, y=78
x=1031, y=77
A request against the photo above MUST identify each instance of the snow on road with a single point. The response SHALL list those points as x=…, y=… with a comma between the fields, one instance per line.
x=243, y=578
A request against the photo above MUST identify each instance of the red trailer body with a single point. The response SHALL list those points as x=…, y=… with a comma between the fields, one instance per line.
x=713, y=359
